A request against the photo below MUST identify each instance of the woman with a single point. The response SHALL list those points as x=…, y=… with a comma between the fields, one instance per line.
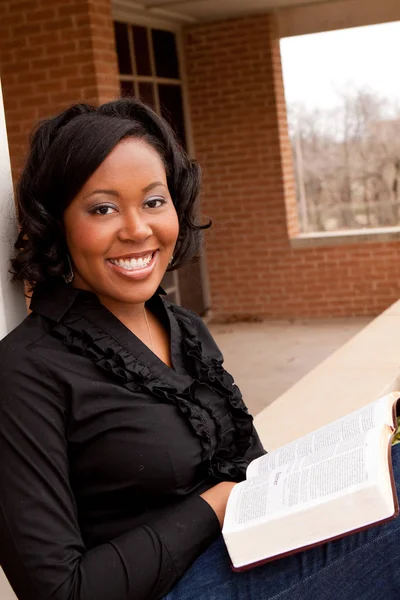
x=121, y=435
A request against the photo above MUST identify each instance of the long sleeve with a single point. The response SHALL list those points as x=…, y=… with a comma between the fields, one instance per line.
x=42, y=551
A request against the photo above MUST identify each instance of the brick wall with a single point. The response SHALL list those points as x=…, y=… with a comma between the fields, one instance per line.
x=53, y=53
x=240, y=137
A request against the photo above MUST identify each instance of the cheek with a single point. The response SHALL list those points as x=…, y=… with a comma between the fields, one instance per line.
x=170, y=227
x=86, y=237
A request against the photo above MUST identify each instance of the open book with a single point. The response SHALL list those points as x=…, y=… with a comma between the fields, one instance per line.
x=329, y=483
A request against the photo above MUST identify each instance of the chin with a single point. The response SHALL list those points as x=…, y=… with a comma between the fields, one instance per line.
x=134, y=293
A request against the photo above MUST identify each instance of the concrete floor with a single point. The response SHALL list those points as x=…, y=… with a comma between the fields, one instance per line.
x=267, y=358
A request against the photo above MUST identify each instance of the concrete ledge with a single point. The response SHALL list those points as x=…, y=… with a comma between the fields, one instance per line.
x=363, y=369
x=6, y=592
x=341, y=238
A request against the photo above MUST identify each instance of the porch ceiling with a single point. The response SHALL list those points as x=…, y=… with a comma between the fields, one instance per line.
x=203, y=10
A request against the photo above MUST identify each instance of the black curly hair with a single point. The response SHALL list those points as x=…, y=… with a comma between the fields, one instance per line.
x=64, y=152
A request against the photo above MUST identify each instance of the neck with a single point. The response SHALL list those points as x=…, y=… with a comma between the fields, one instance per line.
x=129, y=314
x=134, y=317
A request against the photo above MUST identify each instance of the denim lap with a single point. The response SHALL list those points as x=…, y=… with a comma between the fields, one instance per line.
x=364, y=565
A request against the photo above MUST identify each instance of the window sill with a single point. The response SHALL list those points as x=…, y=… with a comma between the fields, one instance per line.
x=342, y=238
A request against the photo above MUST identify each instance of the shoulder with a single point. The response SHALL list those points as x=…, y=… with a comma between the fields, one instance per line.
x=22, y=366
x=18, y=341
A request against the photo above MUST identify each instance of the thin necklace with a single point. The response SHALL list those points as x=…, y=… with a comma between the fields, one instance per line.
x=149, y=330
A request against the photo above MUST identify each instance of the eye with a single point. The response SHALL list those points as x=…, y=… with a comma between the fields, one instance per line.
x=102, y=209
x=155, y=202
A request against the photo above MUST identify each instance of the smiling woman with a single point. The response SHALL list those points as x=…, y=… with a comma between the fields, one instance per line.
x=121, y=435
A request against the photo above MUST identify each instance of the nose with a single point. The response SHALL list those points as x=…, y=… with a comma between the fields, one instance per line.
x=134, y=227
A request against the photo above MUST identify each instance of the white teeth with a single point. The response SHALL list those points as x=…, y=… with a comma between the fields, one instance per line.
x=133, y=263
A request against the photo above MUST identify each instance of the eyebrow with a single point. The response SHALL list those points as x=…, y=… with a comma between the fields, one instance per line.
x=153, y=185
x=114, y=193
x=109, y=192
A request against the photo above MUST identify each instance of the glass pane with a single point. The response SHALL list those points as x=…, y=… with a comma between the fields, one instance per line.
x=122, y=42
x=127, y=89
x=165, y=53
x=172, y=108
x=142, y=53
x=146, y=93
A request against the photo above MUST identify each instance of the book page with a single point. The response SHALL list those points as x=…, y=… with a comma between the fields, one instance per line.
x=345, y=428
x=328, y=471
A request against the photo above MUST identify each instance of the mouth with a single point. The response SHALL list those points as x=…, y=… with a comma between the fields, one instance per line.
x=133, y=262
x=135, y=266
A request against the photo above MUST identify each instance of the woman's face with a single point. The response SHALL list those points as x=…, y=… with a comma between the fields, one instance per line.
x=122, y=227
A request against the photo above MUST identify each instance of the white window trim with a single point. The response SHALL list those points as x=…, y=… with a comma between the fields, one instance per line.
x=345, y=237
x=136, y=14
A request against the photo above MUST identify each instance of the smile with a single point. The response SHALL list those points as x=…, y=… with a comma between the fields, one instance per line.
x=133, y=264
x=134, y=268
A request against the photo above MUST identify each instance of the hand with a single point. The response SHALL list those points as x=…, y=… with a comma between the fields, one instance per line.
x=217, y=498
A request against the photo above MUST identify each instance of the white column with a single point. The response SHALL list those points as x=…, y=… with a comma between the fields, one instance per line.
x=12, y=302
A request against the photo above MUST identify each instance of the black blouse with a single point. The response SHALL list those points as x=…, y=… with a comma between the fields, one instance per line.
x=105, y=450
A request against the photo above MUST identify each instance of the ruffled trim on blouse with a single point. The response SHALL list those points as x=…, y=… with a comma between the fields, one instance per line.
x=233, y=443
x=233, y=423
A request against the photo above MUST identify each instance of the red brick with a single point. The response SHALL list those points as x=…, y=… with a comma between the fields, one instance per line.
x=58, y=24
x=47, y=43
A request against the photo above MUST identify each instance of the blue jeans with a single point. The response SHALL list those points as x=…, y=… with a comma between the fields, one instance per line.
x=364, y=565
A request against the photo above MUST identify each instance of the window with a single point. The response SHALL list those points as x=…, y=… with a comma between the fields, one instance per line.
x=343, y=102
x=149, y=69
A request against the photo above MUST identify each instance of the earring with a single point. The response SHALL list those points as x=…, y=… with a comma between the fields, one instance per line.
x=171, y=260
x=68, y=277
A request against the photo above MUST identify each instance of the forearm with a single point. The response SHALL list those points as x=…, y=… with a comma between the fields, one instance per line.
x=142, y=564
